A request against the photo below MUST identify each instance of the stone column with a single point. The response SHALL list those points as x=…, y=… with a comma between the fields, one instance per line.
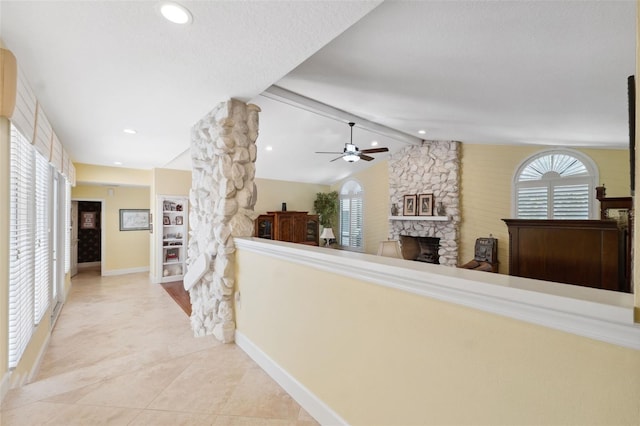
x=222, y=196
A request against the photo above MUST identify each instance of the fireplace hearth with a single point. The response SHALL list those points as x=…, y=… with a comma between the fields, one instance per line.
x=421, y=249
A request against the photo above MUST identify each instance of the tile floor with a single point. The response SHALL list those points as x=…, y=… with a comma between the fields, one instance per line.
x=122, y=353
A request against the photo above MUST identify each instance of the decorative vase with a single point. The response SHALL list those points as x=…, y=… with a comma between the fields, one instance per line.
x=394, y=210
x=440, y=210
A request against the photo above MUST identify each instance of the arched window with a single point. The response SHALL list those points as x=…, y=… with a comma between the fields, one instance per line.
x=558, y=184
x=351, y=233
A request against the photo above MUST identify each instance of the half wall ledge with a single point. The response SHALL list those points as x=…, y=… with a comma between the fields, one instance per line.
x=601, y=315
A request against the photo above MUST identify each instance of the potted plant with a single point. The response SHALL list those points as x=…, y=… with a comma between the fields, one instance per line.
x=326, y=206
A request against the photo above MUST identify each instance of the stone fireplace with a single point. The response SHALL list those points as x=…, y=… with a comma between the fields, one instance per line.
x=431, y=168
x=421, y=249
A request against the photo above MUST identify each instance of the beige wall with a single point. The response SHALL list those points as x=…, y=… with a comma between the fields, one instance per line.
x=381, y=356
x=375, y=183
x=123, y=250
x=486, y=184
x=298, y=196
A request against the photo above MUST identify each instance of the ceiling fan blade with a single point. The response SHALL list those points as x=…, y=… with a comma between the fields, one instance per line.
x=365, y=157
x=328, y=152
x=374, y=150
x=336, y=158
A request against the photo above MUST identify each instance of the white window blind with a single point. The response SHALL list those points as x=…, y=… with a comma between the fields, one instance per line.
x=42, y=237
x=351, y=216
x=555, y=185
x=67, y=227
x=21, y=270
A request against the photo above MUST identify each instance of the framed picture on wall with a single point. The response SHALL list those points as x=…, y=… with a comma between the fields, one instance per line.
x=410, y=202
x=425, y=205
x=134, y=219
x=88, y=220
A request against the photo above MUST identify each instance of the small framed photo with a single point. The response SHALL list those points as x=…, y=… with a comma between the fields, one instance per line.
x=425, y=205
x=87, y=220
x=410, y=202
x=166, y=220
x=178, y=220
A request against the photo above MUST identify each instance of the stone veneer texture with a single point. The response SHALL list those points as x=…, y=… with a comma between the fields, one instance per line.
x=222, y=196
x=431, y=168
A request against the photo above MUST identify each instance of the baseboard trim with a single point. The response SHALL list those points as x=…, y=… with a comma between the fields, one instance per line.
x=4, y=386
x=303, y=396
x=124, y=271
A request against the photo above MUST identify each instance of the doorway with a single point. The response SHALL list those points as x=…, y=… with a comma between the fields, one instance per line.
x=86, y=246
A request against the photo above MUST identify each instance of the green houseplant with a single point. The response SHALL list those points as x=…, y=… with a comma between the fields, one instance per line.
x=326, y=206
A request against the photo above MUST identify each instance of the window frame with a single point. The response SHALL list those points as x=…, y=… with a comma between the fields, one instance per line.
x=350, y=194
x=591, y=179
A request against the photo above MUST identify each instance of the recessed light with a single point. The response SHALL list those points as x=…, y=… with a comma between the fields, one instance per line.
x=118, y=163
x=130, y=131
x=175, y=13
x=374, y=143
x=268, y=148
x=422, y=132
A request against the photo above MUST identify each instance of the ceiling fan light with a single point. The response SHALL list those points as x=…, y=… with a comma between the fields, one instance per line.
x=351, y=158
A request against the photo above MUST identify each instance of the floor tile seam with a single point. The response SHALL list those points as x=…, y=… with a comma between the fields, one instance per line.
x=46, y=398
x=182, y=371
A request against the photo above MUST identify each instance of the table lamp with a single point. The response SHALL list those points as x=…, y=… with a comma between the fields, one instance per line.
x=327, y=235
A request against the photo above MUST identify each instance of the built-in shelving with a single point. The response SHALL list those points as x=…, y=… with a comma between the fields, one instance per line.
x=173, y=212
x=426, y=218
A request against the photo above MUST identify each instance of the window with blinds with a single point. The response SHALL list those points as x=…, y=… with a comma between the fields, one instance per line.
x=351, y=216
x=42, y=237
x=30, y=246
x=556, y=185
x=21, y=252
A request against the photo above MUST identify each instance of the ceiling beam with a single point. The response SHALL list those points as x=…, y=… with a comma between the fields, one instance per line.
x=279, y=94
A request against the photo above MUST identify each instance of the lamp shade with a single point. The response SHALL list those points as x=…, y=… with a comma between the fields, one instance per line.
x=390, y=249
x=327, y=234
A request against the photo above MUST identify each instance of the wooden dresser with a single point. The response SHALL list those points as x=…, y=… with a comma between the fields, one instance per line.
x=581, y=252
x=291, y=226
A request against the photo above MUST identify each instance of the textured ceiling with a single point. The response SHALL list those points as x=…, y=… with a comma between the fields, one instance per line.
x=528, y=72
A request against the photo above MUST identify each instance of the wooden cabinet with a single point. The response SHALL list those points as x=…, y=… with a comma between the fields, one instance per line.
x=581, y=252
x=291, y=226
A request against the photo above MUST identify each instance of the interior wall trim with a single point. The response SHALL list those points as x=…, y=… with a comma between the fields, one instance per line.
x=602, y=315
x=4, y=385
x=111, y=272
x=303, y=396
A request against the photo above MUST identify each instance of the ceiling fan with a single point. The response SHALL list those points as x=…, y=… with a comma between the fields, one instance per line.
x=351, y=153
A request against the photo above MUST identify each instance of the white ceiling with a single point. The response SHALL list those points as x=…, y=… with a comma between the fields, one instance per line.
x=528, y=72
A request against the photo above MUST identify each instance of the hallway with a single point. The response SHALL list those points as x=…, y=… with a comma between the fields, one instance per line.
x=122, y=353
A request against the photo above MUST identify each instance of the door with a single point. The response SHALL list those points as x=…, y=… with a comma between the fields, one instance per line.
x=74, y=238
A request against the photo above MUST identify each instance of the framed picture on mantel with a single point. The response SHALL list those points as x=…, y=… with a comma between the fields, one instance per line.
x=425, y=205
x=410, y=202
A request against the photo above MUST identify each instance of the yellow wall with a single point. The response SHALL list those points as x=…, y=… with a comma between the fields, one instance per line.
x=375, y=183
x=381, y=356
x=89, y=173
x=298, y=196
x=123, y=250
x=5, y=140
x=486, y=184
x=171, y=182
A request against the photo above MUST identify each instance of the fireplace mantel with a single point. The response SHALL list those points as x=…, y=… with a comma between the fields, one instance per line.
x=429, y=218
